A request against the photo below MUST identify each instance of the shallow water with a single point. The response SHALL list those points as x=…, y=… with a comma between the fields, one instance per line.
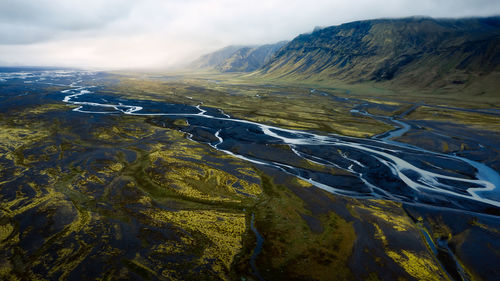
x=362, y=168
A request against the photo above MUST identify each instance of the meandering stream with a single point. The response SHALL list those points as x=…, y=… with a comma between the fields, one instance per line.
x=363, y=168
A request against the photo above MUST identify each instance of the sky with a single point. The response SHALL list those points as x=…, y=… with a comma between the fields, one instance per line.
x=157, y=34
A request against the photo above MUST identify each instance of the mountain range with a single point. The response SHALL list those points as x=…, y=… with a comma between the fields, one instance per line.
x=418, y=51
x=238, y=58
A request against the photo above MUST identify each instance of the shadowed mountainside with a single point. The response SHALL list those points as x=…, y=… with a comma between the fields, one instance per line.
x=422, y=52
x=215, y=58
x=238, y=58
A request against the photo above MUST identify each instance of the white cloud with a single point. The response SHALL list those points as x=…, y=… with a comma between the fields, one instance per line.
x=162, y=33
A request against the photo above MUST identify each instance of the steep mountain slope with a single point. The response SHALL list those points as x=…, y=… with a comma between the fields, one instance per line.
x=250, y=59
x=213, y=59
x=423, y=52
x=238, y=58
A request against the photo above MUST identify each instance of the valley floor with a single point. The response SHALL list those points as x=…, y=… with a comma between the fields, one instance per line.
x=208, y=177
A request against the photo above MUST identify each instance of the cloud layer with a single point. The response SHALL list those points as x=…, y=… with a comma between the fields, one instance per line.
x=164, y=33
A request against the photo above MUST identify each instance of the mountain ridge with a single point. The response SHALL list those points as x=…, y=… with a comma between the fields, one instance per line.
x=237, y=58
x=418, y=52
x=423, y=52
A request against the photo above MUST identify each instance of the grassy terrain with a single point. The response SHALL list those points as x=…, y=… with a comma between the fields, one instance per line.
x=281, y=105
x=483, y=94
x=472, y=119
x=170, y=183
x=114, y=197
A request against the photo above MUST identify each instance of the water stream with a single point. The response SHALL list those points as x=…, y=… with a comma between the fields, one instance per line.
x=365, y=168
x=379, y=168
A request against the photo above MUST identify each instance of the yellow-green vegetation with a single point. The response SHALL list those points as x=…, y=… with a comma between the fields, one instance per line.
x=44, y=108
x=12, y=138
x=480, y=95
x=391, y=213
x=178, y=168
x=84, y=207
x=388, y=217
x=420, y=267
x=117, y=197
x=117, y=133
x=475, y=120
x=299, y=244
x=5, y=231
x=483, y=226
x=223, y=230
x=381, y=101
x=50, y=204
x=283, y=106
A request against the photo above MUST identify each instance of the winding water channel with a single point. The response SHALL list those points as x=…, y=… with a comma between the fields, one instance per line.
x=369, y=168
x=379, y=167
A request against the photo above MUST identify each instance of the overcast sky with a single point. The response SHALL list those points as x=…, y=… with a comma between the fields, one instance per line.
x=163, y=33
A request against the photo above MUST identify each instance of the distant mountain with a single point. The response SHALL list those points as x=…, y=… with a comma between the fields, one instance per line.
x=238, y=58
x=211, y=60
x=424, y=52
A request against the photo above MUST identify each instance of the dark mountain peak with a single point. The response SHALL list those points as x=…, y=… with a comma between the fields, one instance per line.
x=418, y=50
x=238, y=58
x=214, y=58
